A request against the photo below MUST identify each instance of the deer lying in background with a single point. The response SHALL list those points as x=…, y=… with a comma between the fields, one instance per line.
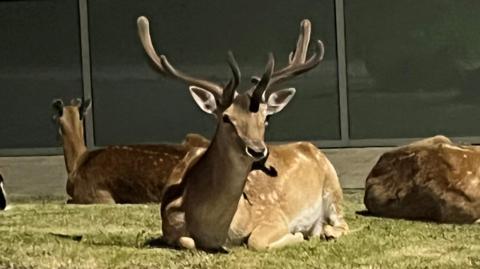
x=219, y=198
x=432, y=179
x=115, y=174
x=3, y=195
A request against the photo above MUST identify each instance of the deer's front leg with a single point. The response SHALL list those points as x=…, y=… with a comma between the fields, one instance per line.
x=173, y=225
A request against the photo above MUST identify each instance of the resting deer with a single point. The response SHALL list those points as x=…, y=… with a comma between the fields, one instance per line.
x=432, y=179
x=3, y=195
x=219, y=198
x=115, y=174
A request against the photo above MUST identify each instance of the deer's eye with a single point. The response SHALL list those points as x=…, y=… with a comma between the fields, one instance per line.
x=226, y=119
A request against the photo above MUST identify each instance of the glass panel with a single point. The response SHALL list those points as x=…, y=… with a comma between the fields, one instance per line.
x=133, y=103
x=39, y=61
x=413, y=68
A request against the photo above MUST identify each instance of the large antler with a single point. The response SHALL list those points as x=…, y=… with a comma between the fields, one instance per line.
x=223, y=95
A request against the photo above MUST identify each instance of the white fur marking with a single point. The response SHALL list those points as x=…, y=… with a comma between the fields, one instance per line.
x=270, y=198
x=274, y=195
x=305, y=220
x=454, y=147
x=303, y=156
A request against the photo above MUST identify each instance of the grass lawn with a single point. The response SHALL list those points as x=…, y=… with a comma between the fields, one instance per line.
x=49, y=234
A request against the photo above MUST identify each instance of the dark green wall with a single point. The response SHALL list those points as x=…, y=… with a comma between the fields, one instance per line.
x=135, y=104
x=413, y=67
x=39, y=61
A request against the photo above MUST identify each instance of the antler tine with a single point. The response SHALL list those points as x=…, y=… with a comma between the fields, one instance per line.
x=262, y=84
x=144, y=33
x=164, y=65
x=300, y=53
x=237, y=75
x=229, y=91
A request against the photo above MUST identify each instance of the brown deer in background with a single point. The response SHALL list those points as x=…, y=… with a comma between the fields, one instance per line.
x=431, y=179
x=115, y=174
x=218, y=198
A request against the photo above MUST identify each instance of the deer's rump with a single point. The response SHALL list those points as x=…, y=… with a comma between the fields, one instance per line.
x=127, y=174
x=439, y=182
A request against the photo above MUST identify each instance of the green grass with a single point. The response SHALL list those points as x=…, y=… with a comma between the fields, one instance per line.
x=49, y=234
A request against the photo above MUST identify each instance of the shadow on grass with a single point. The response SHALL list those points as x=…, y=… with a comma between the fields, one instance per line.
x=76, y=238
x=364, y=213
x=160, y=242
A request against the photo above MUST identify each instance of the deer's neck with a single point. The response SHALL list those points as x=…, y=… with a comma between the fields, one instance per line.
x=229, y=166
x=214, y=190
x=73, y=147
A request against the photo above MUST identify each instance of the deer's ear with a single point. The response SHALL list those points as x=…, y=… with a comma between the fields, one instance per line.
x=204, y=99
x=57, y=106
x=279, y=99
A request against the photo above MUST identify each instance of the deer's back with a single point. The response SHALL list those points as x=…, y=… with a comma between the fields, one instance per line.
x=131, y=174
x=439, y=182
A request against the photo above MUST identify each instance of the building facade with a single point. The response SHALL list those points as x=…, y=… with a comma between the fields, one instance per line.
x=393, y=70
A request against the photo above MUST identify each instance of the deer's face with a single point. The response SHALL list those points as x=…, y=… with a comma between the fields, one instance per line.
x=70, y=121
x=244, y=126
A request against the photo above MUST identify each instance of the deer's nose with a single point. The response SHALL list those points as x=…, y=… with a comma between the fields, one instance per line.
x=257, y=152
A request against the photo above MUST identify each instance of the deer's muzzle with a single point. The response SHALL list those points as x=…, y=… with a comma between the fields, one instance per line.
x=257, y=152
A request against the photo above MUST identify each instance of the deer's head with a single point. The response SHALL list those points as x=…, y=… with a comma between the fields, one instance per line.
x=70, y=117
x=241, y=115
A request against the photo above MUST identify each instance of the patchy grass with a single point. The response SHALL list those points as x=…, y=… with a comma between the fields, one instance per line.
x=49, y=234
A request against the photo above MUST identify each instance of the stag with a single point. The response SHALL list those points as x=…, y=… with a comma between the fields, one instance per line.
x=115, y=174
x=432, y=179
x=218, y=199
